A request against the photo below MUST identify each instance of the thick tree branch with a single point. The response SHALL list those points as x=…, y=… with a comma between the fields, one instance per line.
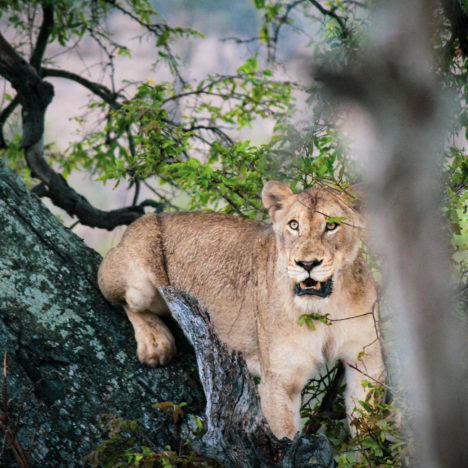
x=71, y=355
x=235, y=431
x=35, y=61
x=35, y=95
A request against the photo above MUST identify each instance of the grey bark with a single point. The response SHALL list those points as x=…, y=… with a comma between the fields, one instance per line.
x=399, y=120
x=71, y=358
x=70, y=354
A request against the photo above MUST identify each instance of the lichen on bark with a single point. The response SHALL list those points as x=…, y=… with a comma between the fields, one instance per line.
x=70, y=354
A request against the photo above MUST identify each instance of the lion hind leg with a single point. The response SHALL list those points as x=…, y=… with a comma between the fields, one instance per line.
x=155, y=343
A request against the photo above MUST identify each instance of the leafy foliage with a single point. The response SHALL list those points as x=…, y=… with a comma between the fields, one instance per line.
x=308, y=319
x=378, y=440
x=124, y=448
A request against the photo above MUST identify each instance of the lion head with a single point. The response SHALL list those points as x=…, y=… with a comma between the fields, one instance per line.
x=318, y=233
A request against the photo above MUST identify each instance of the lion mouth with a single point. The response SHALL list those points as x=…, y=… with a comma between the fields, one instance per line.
x=310, y=287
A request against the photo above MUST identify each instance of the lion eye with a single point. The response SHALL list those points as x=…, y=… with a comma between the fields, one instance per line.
x=294, y=225
x=331, y=226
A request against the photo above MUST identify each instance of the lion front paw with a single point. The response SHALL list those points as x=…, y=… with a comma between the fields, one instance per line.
x=155, y=348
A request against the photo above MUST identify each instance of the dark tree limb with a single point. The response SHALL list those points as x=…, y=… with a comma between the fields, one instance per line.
x=236, y=433
x=34, y=94
x=96, y=88
x=43, y=36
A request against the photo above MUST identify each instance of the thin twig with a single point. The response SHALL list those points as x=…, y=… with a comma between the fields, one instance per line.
x=333, y=15
x=352, y=366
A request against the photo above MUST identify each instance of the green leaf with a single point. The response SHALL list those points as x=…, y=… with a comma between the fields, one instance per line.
x=308, y=320
x=336, y=219
x=264, y=34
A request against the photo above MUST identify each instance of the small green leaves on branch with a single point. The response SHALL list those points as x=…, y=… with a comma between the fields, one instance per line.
x=308, y=319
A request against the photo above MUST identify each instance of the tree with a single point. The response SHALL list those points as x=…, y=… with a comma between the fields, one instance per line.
x=65, y=347
x=185, y=132
x=405, y=106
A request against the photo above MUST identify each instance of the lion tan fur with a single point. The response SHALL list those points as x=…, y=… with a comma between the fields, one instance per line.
x=245, y=272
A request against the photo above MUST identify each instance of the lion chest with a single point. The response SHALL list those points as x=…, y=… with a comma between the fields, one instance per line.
x=299, y=353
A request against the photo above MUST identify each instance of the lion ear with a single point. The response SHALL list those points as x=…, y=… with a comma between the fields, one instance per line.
x=273, y=196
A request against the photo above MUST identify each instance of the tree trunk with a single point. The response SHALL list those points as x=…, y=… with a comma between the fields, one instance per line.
x=70, y=358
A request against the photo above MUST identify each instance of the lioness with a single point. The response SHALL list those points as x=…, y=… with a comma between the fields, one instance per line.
x=256, y=280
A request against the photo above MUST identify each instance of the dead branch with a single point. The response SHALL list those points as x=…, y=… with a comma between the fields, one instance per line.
x=236, y=433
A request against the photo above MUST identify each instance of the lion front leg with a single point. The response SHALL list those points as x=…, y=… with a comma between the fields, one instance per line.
x=280, y=405
x=155, y=343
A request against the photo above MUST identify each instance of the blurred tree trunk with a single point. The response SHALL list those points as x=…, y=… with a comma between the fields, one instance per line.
x=399, y=126
x=71, y=358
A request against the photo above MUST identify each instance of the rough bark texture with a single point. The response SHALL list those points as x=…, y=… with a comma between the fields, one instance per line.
x=69, y=352
x=71, y=358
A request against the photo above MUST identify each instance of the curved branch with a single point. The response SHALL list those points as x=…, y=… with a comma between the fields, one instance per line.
x=98, y=89
x=35, y=61
x=213, y=129
x=35, y=95
x=62, y=195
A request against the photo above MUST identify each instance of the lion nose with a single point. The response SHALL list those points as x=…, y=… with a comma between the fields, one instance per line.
x=308, y=265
